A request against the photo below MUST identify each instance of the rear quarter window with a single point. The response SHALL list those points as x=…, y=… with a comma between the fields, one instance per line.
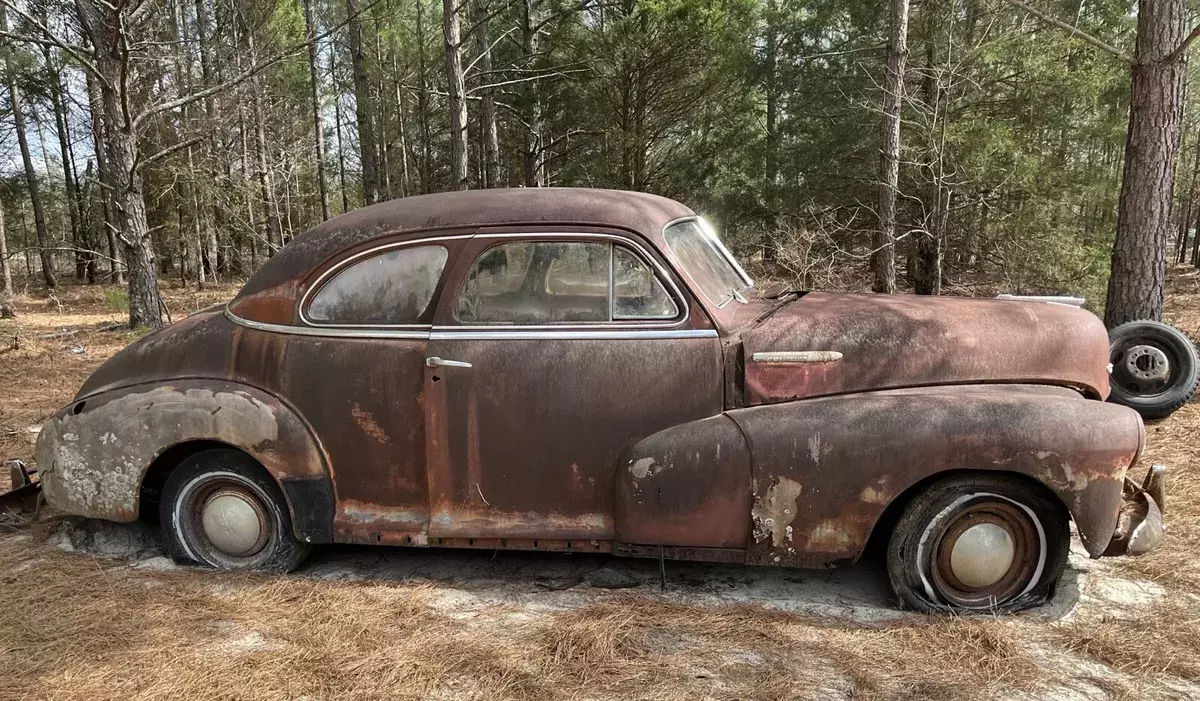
x=392, y=287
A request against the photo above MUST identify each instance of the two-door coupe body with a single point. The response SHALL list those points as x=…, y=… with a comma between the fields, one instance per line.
x=588, y=370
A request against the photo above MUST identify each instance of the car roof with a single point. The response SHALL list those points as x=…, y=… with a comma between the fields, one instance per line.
x=277, y=281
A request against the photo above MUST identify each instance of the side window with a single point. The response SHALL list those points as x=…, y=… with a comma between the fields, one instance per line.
x=550, y=282
x=637, y=291
x=393, y=287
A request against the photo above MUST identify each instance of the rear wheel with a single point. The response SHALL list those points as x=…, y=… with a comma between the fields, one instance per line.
x=220, y=509
x=978, y=543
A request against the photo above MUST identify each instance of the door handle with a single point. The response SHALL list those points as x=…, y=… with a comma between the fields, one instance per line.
x=436, y=362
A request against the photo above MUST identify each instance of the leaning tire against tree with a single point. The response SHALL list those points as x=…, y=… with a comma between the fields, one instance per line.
x=1155, y=367
x=221, y=509
x=979, y=543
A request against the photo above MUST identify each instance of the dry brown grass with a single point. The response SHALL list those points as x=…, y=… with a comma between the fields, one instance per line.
x=76, y=627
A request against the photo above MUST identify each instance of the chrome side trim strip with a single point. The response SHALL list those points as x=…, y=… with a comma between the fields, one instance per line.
x=788, y=357
x=326, y=331
x=445, y=334
x=454, y=333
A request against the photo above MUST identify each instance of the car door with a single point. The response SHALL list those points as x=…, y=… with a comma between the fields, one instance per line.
x=355, y=369
x=550, y=354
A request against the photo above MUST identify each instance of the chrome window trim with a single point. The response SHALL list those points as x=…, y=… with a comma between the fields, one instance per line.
x=464, y=334
x=455, y=333
x=345, y=263
x=663, y=274
x=411, y=331
x=728, y=254
x=711, y=235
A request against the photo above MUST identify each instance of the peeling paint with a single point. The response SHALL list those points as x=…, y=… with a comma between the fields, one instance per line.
x=774, y=512
x=814, y=448
x=641, y=468
x=92, y=462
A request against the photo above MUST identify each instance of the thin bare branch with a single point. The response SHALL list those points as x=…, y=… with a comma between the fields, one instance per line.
x=56, y=41
x=1075, y=31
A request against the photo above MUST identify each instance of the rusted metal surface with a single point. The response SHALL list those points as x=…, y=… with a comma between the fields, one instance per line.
x=640, y=444
x=92, y=454
x=688, y=486
x=825, y=469
x=526, y=442
x=1140, y=524
x=907, y=340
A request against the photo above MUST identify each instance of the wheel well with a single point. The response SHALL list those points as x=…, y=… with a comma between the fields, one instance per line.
x=156, y=475
x=877, y=542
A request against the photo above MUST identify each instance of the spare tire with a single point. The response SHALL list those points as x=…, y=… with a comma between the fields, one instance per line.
x=1155, y=368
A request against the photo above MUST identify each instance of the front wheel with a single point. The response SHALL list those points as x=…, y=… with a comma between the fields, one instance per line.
x=220, y=509
x=978, y=543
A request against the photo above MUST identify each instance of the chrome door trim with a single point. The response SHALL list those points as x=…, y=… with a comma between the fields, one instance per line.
x=455, y=333
x=472, y=334
x=421, y=332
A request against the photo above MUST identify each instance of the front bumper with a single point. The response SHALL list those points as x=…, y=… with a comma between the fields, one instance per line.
x=1140, y=522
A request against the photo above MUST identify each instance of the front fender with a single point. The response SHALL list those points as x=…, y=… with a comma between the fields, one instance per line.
x=824, y=470
x=93, y=454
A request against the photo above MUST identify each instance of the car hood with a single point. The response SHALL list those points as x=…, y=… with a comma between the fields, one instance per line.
x=892, y=341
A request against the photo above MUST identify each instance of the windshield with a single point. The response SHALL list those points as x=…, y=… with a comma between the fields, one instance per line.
x=707, y=260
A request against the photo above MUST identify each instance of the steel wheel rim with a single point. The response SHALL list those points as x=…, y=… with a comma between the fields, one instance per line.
x=1143, y=367
x=1020, y=546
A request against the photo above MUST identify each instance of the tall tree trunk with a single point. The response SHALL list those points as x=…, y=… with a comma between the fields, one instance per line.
x=363, y=106
x=883, y=243
x=266, y=182
x=423, y=104
x=64, y=149
x=532, y=155
x=315, y=95
x=39, y=215
x=212, y=214
x=457, y=89
x=487, y=96
x=6, y=288
x=337, y=130
x=116, y=274
x=1185, y=220
x=105, y=28
x=1138, y=270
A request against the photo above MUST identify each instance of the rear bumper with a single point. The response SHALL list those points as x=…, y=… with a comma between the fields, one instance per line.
x=1140, y=522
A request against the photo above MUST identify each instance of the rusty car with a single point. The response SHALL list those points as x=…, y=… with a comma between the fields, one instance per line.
x=585, y=370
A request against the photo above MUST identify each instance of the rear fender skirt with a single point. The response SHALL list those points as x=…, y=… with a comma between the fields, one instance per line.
x=686, y=486
x=93, y=454
x=824, y=470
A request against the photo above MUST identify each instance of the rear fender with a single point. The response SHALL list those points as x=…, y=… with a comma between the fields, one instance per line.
x=824, y=470
x=93, y=455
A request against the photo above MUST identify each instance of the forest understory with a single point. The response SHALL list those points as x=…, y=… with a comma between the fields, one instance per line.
x=395, y=623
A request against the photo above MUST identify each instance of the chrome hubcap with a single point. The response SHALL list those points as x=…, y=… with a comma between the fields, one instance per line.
x=982, y=555
x=234, y=523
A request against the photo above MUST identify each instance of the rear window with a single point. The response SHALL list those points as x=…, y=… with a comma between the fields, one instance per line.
x=392, y=287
